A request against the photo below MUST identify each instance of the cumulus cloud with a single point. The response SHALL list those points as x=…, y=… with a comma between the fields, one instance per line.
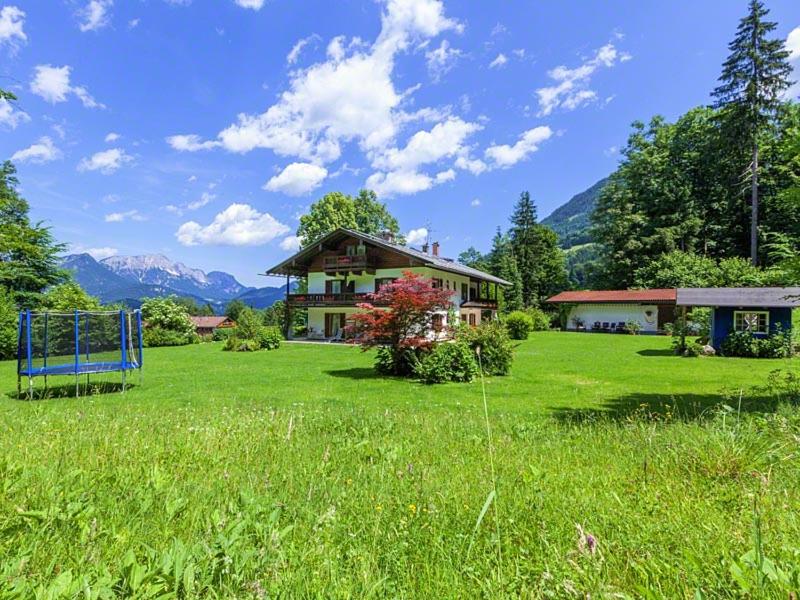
x=12, y=21
x=475, y=202
x=95, y=15
x=119, y=217
x=205, y=198
x=237, y=225
x=112, y=137
x=106, y=161
x=41, y=152
x=10, y=116
x=297, y=49
x=505, y=155
x=415, y=237
x=571, y=88
x=291, y=243
x=348, y=97
x=53, y=84
x=297, y=179
x=793, y=47
x=499, y=61
x=190, y=143
x=442, y=59
x=252, y=4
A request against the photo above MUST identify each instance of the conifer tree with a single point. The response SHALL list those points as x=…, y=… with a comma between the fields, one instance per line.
x=753, y=79
x=523, y=242
x=503, y=264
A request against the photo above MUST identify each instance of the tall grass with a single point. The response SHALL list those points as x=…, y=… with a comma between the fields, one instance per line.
x=297, y=473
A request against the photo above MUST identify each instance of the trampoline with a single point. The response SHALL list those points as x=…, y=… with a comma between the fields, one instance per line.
x=77, y=343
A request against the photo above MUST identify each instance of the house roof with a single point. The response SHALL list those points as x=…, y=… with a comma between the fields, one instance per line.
x=658, y=296
x=756, y=297
x=290, y=265
x=209, y=322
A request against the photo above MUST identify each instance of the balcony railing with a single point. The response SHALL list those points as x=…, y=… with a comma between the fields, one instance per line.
x=346, y=299
x=476, y=302
x=358, y=262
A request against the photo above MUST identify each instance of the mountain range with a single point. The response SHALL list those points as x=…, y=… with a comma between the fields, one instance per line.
x=571, y=221
x=128, y=279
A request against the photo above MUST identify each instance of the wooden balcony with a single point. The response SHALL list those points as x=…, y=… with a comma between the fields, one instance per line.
x=358, y=264
x=326, y=300
x=475, y=302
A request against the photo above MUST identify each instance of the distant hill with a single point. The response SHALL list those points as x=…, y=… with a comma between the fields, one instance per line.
x=128, y=279
x=571, y=220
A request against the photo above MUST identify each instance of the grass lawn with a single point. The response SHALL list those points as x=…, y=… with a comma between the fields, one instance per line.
x=299, y=472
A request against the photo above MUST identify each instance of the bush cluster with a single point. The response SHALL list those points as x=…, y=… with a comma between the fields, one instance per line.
x=154, y=336
x=250, y=334
x=167, y=323
x=519, y=325
x=497, y=350
x=541, y=320
x=743, y=344
x=447, y=361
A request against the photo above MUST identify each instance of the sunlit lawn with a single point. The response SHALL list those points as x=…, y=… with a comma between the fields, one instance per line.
x=299, y=472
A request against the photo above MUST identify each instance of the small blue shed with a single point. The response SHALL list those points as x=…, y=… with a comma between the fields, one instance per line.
x=757, y=310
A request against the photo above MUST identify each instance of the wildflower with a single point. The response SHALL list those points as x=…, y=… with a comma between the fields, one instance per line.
x=378, y=507
x=586, y=541
x=412, y=508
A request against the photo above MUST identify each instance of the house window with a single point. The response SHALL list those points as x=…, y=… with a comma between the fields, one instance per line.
x=337, y=286
x=382, y=281
x=754, y=321
x=472, y=319
x=437, y=284
x=464, y=292
x=438, y=323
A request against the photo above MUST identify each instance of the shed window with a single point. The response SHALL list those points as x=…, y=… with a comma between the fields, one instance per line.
x=752, y=321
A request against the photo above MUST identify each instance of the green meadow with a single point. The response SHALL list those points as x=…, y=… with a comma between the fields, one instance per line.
x=300, y=473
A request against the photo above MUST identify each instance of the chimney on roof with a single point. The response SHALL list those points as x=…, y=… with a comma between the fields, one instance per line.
x=436, y=248
x=425, y=247
x=387, y=236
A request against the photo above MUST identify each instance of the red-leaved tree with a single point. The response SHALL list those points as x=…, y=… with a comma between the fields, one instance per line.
x=399, y=316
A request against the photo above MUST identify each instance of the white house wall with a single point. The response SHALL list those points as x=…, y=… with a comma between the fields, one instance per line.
x=615, y=313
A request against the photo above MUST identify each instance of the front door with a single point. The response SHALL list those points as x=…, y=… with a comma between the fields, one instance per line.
x=334, y=322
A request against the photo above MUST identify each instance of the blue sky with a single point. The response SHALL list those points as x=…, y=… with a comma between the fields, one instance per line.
x=201, y=129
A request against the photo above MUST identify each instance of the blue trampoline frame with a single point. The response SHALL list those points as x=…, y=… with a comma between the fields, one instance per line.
x=79, y=367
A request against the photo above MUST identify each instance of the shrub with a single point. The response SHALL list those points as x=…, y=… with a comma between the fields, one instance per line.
x=168, y=323
x=519, y=325
x=540, y=319
x=633, y=327
x=694, y=349
x=448, y=361
x=249, y=324
x=390, y=361
x=158, y=336
x=743, y=344
x=9, y=321
x=222, y=334
x=269, y=338
x=235, y=344
x=497, y=351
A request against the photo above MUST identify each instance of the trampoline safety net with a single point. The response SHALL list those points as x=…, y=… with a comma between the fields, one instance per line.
x=78, y=342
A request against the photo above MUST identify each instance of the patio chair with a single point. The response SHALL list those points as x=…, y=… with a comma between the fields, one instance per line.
x=337, y=337
x=605, y=325
x=596, y=326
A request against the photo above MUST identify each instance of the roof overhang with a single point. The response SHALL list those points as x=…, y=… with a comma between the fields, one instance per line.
x=636, y=297
x=756, y=297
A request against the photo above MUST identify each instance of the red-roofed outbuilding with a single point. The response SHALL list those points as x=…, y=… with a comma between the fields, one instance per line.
x=613, y=310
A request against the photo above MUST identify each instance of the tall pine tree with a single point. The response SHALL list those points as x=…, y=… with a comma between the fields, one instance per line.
x=753, y=79
x=502, y=263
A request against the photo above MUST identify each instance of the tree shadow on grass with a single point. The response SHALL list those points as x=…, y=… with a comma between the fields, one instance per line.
x=66, y=390
x=656, y=352
x=679, y=407
x=356, y=373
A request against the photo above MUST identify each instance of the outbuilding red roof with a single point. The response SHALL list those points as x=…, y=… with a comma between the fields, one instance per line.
x=663, y=296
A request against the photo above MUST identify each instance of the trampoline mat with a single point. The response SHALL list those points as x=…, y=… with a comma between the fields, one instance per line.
x=80, y=369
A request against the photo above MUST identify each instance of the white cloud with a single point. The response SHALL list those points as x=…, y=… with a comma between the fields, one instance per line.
x=133, y=23
x=519, y=52
x=571, y=89
x=53, y=84
x=475, y=202
x=291, y=243
x=10, y=116
x=237, y=225
x=190, y=143
x=106, y=161
x=101, y=252
x=95, y=15
x=12, y=21
x=297, y=179
x=349, y=97
x=41, y=152
x=205, y=198
x=119, y=217
x=294, y=53
x=793, y=47
x=112, y=137
x=504, y=156
x=499, y=61
x=442, y=59
x=252, y=4
x=416, y=237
